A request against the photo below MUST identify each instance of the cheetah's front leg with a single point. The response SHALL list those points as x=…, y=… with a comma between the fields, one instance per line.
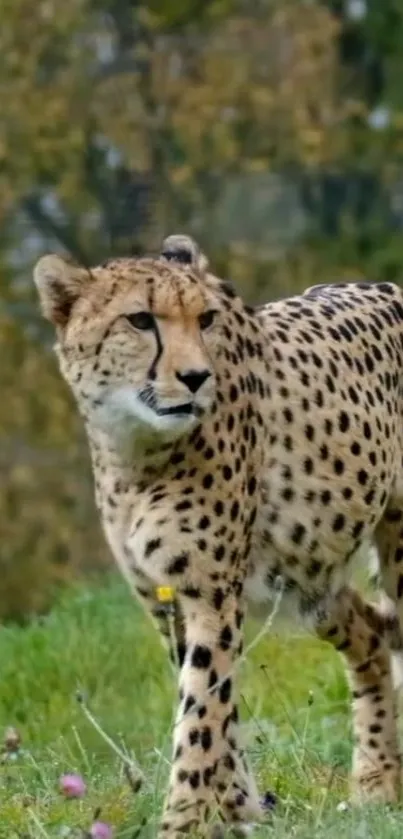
x=209, y=776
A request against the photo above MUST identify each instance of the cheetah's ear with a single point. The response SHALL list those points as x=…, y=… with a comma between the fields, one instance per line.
x=183, y=249
x=59, y=285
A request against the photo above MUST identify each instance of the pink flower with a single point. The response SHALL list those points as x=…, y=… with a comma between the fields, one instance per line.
x=73, y=786
x=100, y=830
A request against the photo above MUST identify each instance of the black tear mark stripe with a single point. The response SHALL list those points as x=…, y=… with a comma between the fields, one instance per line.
x=152, y=373
x=150, y=285
x=153, y=369
x=179, y=295
x=100, y=343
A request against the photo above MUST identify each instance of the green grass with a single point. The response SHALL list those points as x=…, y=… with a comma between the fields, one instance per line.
x=294, y=705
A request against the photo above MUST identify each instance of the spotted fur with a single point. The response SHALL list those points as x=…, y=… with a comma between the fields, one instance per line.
x=237, y=450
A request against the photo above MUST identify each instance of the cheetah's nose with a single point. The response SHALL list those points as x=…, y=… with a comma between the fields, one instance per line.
x=193, y=379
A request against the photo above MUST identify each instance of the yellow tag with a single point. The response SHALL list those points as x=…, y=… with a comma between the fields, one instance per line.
x=165, y=594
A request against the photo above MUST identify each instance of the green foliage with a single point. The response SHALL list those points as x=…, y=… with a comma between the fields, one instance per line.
x=46, y=500
x=294, y=708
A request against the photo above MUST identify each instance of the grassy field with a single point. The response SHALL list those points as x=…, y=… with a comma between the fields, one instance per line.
x=294, y=706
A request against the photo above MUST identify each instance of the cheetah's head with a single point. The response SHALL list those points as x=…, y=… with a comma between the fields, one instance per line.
x=137, y=339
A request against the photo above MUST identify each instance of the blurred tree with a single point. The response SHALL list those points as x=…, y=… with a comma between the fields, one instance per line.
x=271, y=131
x=356, y=204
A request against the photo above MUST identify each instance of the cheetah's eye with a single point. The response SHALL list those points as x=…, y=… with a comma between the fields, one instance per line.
x=141, y=320
x=207, y=318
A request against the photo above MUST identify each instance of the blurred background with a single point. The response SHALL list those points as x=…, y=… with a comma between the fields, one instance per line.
x=272, y=131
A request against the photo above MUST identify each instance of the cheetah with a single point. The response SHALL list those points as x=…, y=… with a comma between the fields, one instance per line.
x=233, y=448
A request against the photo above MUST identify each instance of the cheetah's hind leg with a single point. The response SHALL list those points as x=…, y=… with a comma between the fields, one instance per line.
x=387, y=574
x=354, y=628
